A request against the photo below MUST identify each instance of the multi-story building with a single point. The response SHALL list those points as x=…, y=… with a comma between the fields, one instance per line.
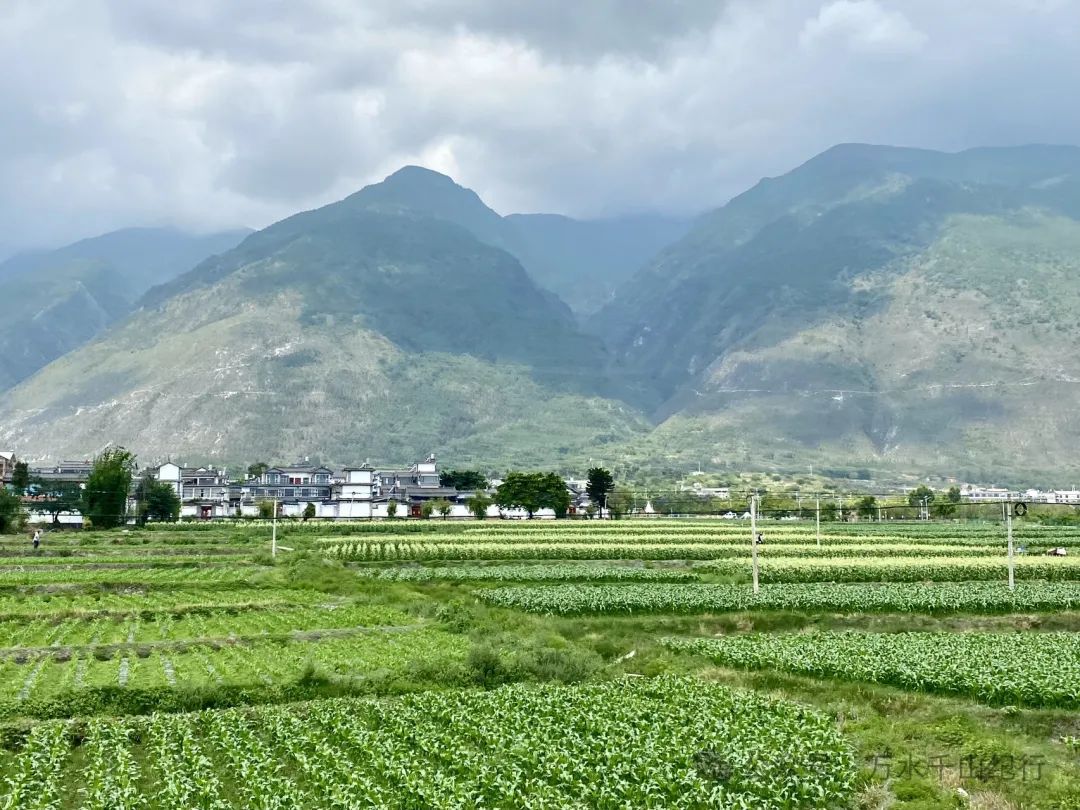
x=203, y=491
x=7, y=465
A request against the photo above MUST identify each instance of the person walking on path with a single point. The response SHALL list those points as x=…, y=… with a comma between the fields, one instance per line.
x=37, y=539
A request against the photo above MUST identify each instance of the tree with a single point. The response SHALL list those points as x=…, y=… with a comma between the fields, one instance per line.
x=426, y=509
x=532, y=492
x=920, y=494
x=20, y=477
x=391, y=508
x=468, y=480
x=257, y=469
x=521, y=491
x=105, y=497
x=620, y=501
x=266, y=509
x=478, y=504
x=11, y=511
x=555, y=495
x=442, y=507
x=867, y=506
x=309, y=512
x=156, y=500
x=600, y=484
x=953, y=495
x=55, y=497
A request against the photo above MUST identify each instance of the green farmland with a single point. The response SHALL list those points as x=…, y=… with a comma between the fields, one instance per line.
x=498, y=664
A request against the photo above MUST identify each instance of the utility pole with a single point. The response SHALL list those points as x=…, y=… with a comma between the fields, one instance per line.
x=1009, y=535
x=273, y=532
x=818, y=514
x=754, y=539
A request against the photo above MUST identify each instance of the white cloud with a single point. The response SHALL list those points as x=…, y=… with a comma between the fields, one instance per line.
x=862, y=26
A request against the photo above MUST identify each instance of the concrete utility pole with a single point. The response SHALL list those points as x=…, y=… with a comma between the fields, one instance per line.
x=754, y=539
x=818, y=515
x=1012, y=559
x=273, y=532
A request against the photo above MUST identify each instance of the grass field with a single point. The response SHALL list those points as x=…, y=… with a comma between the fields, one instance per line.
x=508, y=664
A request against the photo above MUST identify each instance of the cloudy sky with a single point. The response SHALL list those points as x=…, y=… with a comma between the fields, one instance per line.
x=218, y=113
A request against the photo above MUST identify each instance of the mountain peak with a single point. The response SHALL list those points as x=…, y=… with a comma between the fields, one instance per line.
x=411, y=173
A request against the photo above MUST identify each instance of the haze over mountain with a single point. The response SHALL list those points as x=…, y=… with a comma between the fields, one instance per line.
x=368, y=327
x=874, y=307
x=65, y=297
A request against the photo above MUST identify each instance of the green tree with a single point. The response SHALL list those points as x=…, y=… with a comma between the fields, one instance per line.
x=156, y=500
x=555, y=495
x=56, y=497
x=867, y=506
x=532, y=492
x=391, y=508
x=309, y=512
x=20, y=477
x=11, y=511
x=266, y=509
x=521, y=491
x=953, y=495
x=920, y=494
x=600, y=483
x=105, y=496
x=427, y=509
x=442, y=507
x=478, y=504
x=620, y=501
x=466, y=480
x=257, y=469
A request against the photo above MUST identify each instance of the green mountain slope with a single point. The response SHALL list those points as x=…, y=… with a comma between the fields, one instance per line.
x=343, y=333
x=875, y=307
x=65, y=297
x=581, y=261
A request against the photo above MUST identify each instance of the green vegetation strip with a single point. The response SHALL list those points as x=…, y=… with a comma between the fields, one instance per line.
x=210, y=621
x=665, y=742
x=903, y=570
x=1033, y=669
x=968, y=597
x=529, y=573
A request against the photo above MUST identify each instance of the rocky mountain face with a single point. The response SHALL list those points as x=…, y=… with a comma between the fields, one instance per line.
x=874, y=307
x=63, y=298
x=357, y=330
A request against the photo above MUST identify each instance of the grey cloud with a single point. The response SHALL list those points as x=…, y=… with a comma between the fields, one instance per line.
x=208, y=114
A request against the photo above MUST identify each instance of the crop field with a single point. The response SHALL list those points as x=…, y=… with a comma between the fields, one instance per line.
x=513, y=664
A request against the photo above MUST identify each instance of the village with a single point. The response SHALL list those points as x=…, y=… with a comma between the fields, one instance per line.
x=302, y=490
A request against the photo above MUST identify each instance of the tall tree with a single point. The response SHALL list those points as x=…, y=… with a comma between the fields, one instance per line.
x=105, y=497
x=257, y=469
x=467, y=480
x=921, y=494
x=867, y=506
x=156, y=500
x=20, y=477
x=599, y=485
x=11, y=511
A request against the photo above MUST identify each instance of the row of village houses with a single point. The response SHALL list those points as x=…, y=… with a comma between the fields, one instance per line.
x=352, y=493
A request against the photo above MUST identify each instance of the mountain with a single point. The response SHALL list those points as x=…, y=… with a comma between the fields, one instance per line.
x=67, y=296
x=581, y=261
x=366, y=328
x=875, y=307
x=584, y=262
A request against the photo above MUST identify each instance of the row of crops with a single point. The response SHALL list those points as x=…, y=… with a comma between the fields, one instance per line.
x=938, y=598
x=665, y=742
x=1035, y=669
x=210, y=622
x=564, y=572
x=202, y=665
x=25, y=606
x=905, y=570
